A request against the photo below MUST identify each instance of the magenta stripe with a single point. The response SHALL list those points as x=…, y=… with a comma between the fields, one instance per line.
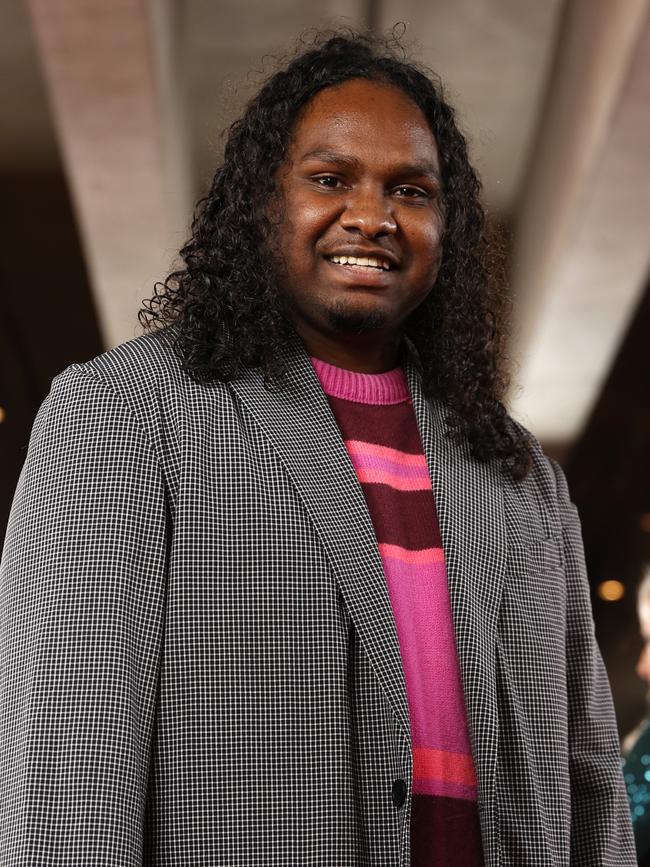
x=382, y=465
x=399, y=457
x=420, y=601
x=411, y=572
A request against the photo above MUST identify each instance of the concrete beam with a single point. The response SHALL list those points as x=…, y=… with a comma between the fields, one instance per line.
x=581, y=246
x=122, y=155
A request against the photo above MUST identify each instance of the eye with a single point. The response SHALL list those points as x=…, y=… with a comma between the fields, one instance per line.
x=411, y=192
x=329, y=181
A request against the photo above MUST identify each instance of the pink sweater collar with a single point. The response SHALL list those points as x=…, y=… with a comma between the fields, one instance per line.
x=376, y=388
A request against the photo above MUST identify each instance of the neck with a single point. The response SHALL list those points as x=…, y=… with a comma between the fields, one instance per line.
x=361, y=353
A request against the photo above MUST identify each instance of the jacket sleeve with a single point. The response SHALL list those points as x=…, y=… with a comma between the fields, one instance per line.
x=601, y=831
x=81, y=611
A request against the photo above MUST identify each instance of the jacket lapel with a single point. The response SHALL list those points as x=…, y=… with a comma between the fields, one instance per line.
x=469, y=503
x=301, y=428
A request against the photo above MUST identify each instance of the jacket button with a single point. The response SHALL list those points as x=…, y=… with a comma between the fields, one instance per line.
x=399, y=793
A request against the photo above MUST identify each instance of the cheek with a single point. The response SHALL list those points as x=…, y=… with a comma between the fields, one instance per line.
x=298, y=243
x=426, y=241
x=313, y=225
x=429, y=256
x=434, y=237
x=308, y=216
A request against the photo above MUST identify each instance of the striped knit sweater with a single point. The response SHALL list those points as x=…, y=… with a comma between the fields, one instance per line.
x=379, y=429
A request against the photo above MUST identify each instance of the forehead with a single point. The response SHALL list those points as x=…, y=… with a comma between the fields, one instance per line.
x=364, y=118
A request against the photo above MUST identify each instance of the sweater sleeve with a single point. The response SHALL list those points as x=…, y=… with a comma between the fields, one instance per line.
x=601, y=832
x=82, y=585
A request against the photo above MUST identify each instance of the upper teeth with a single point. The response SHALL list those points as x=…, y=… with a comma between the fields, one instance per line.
x=365, y=261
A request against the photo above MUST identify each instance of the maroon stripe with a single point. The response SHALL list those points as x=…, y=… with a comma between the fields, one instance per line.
x=391, y=426
x=406, y=518
x=445, y=832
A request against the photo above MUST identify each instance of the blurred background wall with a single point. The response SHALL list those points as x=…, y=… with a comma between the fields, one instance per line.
x=111, y=114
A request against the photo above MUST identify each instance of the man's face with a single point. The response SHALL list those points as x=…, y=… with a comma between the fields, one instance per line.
x=360, y=180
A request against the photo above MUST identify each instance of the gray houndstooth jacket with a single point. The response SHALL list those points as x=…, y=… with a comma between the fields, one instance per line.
x=198, y=660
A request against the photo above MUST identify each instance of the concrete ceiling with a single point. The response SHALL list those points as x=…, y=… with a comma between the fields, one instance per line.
x=132, y=97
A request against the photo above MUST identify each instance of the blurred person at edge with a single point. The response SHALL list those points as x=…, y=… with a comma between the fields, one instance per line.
x=283, y=582
x=636, y=746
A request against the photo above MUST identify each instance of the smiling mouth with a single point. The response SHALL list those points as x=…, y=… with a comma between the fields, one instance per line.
x=365, y=262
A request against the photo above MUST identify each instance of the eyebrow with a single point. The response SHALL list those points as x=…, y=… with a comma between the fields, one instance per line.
x=348, y=161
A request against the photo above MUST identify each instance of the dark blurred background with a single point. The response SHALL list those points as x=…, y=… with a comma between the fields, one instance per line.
x=111, y=113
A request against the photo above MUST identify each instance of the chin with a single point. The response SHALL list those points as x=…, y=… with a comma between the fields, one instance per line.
x=345, y=317
x=356, y=322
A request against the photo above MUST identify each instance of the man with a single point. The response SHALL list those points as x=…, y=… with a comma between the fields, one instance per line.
x=283, y=583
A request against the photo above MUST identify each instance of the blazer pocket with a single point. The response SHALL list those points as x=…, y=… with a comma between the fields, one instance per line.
x=531, y=650
x=533, y=605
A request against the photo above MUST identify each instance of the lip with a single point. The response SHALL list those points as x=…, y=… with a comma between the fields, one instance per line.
x=353, y=275
x=361, y=252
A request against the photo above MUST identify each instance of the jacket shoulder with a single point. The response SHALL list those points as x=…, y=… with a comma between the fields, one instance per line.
x=147, y=376
x=138, y=366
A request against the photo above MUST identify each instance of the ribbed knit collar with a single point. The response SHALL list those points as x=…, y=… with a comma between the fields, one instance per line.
x=375, y=388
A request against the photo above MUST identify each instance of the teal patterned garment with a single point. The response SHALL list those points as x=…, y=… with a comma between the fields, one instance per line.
x=636, y=770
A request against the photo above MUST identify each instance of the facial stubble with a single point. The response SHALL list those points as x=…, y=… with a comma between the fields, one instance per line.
x=341, y=318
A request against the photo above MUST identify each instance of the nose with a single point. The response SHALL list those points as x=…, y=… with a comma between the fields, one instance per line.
x=368, y=212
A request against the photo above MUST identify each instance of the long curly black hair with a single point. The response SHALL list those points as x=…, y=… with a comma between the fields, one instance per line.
x=224, y=303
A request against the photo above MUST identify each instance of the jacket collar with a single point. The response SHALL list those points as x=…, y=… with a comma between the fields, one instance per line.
x=302, y=429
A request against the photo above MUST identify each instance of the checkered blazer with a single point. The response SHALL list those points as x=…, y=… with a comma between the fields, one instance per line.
x=199, y=665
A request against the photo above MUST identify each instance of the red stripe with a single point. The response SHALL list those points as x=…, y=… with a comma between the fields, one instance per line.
x=421, y=557
x=443, y=765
